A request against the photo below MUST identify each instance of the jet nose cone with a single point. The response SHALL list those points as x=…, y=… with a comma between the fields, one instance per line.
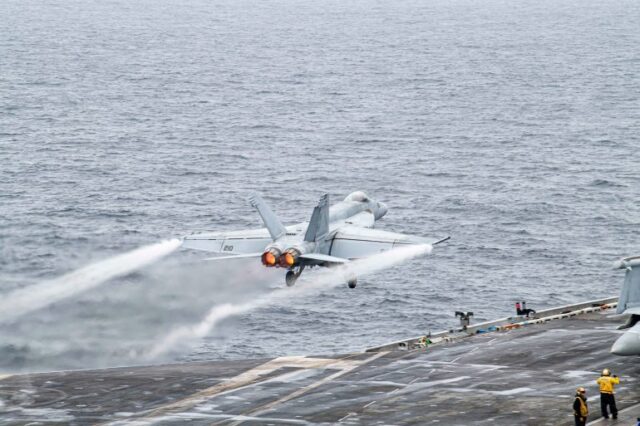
x=627, y=344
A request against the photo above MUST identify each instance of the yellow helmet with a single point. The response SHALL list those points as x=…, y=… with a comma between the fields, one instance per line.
x=606, y=372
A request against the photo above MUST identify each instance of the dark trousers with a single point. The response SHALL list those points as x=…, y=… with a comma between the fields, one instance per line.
x=580, y=421
x=607, y=399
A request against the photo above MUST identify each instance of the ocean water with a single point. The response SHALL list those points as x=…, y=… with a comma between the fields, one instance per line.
x=510, y=126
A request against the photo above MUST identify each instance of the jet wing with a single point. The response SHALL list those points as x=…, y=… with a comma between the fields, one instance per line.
x=235, y=256
x=323, y=258
x=351, y=242
x=234, y=242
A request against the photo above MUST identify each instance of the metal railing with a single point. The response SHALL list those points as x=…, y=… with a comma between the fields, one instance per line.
x=501, y=324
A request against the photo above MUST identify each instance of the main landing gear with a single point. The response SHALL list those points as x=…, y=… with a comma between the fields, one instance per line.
x=351, y=280
x=292, y=275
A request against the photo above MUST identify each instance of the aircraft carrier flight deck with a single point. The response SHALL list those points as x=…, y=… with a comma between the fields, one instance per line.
x=514, y=371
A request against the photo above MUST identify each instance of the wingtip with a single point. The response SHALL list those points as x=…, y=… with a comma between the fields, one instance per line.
x=253, y=198
x=447, y=238
x=324, y=200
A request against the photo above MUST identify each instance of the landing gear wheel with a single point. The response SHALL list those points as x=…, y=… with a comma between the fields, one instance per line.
x=290, y=278
x=352, y=283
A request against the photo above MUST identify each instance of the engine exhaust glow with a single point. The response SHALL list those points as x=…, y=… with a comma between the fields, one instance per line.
x=269, y=258
x=287, y=260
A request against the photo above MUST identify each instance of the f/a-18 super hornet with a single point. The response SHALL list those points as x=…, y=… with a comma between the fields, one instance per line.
x=333, y=235
x=629, y=304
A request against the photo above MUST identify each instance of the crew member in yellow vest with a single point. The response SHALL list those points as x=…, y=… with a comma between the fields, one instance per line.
x=580, y=408
x=606, y=382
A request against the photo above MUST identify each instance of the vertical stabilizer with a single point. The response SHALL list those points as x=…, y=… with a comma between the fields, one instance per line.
x=630, y=293
x=319, y=224
x=271, y=221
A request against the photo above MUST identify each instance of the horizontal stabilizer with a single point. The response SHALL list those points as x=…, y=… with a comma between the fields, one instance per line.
x=324, y=258
x=238, y=256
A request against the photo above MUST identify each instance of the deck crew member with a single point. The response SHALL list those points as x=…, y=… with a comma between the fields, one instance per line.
x=424, y=341
x=523, y=310
x=526, y=311
x=580, y=408
x=606, y=383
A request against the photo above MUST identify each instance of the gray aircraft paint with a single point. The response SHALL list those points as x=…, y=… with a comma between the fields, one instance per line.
x=342, y=233
x=629, y=303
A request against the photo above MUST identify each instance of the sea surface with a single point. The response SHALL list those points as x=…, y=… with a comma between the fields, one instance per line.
x=511, y=126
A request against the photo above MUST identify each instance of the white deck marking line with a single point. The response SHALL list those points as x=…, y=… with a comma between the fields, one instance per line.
x=345, y=417
x=246, y=378
x=369, y=404
x=470, y=352
x=346, y=369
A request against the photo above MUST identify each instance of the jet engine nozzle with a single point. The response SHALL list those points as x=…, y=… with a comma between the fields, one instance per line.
x=270, y=257
x=289, y=258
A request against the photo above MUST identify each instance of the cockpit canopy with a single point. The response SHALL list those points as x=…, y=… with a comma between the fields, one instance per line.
x=377, y=208
x=358, y=196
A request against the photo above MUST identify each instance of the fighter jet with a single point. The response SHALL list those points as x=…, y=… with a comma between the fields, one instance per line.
x=629, y=304
x=333, y=235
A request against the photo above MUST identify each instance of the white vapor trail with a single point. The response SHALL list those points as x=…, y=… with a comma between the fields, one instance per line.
x=324, y=279
x=34, y=297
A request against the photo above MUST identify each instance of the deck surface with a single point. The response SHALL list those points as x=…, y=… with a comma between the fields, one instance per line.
x=525, y=377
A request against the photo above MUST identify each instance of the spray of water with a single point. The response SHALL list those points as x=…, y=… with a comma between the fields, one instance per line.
x=325, y=279
x=38, y=296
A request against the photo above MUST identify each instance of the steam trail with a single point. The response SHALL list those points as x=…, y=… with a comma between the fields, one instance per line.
x=326, y=278
x=37, y=296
